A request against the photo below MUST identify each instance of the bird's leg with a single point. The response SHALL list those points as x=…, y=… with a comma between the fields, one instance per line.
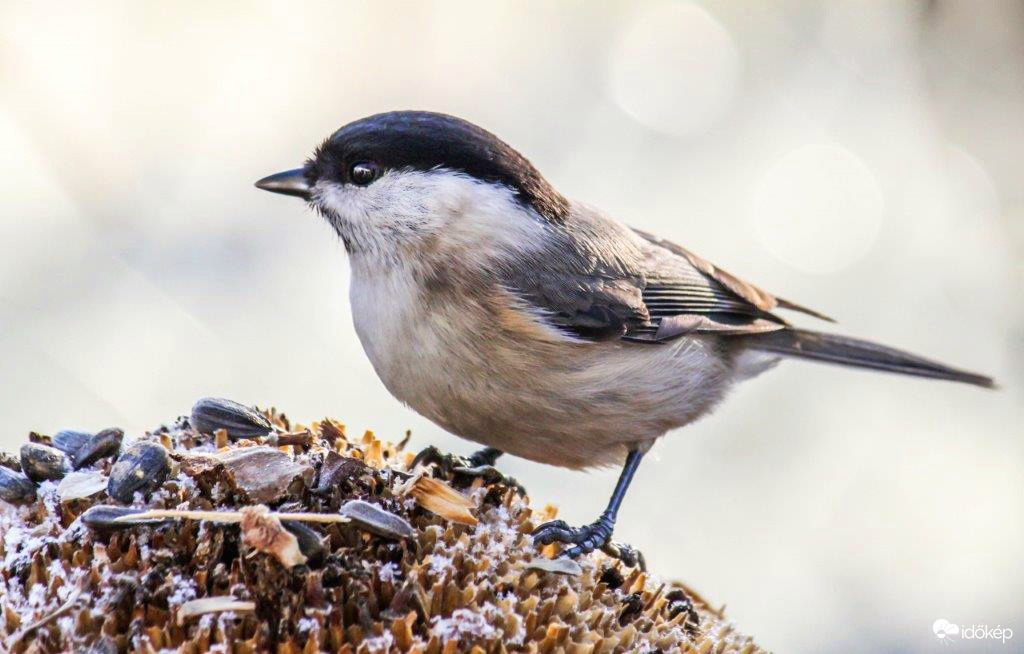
x=598, y=534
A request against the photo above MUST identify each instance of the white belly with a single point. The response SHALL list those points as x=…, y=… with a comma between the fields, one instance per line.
x=522, y=387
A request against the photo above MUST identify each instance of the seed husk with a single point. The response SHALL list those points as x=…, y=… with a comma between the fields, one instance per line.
x=560, y=566
x=105, y=518
x=15, y=488
x=374, y=519
x=42, y=462
x=69, y=440
x=142, y=467
x=79, y=485
x=212, y=413
x=105, y=443
x=205, y=605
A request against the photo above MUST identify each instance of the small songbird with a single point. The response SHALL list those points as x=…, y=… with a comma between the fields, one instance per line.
x=533, y=324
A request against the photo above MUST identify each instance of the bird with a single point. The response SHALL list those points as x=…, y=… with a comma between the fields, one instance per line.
x=536, y=325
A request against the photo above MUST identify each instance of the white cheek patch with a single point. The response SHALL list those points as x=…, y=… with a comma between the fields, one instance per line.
x=403, y=209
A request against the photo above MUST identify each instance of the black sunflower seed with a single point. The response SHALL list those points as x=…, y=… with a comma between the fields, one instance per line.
x=211, y=413
x=376, y=520
x=9, y=461
x=42, y=462
x=310, y=542
x=103, y=517
x=104, y=444
x=15, y=487
x=69, y=440
x=142, y=467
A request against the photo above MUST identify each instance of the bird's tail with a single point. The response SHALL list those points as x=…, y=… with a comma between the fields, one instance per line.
x=863, y=354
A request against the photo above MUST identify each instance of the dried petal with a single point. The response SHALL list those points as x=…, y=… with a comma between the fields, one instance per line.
x=438, y=497
x=376, y=520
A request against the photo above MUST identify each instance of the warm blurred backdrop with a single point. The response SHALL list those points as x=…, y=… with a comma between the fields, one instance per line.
x=861, y=158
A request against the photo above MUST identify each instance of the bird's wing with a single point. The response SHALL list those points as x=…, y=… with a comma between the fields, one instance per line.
x=746, y=291
x=619, y=284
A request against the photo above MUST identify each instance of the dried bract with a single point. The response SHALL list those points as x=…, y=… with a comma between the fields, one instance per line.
x=438, y=497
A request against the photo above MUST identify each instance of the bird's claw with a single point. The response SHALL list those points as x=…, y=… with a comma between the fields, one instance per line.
x=479, y=464
x=490, y=475
x=586, y=539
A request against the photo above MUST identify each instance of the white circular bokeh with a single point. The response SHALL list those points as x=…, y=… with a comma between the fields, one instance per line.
x=819, y=208
x=675, y=68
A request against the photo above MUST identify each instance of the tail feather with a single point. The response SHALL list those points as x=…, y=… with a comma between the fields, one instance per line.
x=854, y=352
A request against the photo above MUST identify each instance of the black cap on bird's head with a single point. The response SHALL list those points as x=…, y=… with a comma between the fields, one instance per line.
x=363, y=150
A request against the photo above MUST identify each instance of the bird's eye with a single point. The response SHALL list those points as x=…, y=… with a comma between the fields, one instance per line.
x=364, y=172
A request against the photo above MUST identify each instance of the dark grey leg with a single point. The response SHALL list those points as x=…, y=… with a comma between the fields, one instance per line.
x=597, y=534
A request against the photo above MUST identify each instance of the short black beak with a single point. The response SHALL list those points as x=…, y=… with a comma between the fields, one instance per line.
x=290, y=182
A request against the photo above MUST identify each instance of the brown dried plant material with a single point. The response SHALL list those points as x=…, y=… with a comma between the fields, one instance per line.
x=438, y=497
x=263, y=473
x=264, y=532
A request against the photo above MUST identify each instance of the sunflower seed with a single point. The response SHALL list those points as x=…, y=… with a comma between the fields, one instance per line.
x=15, y=487
x=104, y=444
x=10, y=462
x=211, y=413
x=142, y=467
x=42, y=462
x=104, y=517
x=69, y=440
x=311, y=543
x=374, y=519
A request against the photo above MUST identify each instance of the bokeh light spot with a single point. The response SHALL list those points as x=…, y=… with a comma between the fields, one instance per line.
x=675, y=69
x=818, y=208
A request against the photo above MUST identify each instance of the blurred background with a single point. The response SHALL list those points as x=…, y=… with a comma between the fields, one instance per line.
x=860, y=158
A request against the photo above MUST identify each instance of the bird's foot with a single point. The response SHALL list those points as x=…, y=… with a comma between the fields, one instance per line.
x=479, y=464
x=586, y=539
